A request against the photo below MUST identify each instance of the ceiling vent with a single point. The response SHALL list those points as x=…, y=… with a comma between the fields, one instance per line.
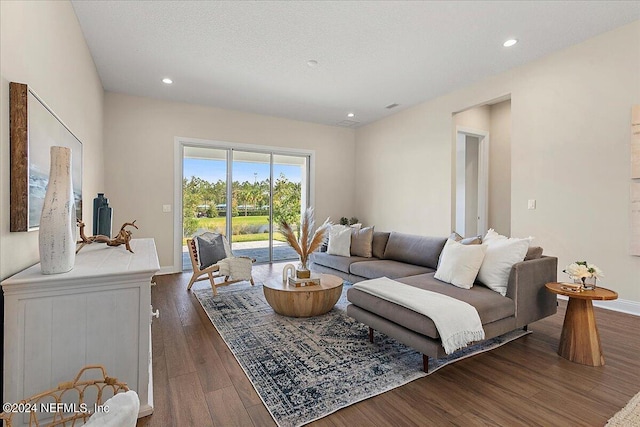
x=348, y=123
x=390, y=106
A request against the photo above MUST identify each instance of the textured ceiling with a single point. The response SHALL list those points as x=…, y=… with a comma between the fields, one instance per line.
x=252, y=56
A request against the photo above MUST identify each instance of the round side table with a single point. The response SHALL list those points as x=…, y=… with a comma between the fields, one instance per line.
x=580, y=340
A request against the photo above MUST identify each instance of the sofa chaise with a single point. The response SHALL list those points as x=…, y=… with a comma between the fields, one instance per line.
x=413, y=260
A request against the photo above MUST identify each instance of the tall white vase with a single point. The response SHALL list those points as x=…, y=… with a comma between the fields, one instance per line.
x=58, y=221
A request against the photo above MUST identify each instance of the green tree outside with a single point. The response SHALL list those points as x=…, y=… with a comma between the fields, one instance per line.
x=286, y=201
x=201, y=200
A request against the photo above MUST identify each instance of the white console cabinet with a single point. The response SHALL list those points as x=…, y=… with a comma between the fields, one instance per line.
x=97, y=313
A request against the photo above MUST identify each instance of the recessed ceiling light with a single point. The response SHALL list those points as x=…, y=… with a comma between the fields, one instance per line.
x=509, y=42
x=312, y=63
x=167, y=81
x=350, y=115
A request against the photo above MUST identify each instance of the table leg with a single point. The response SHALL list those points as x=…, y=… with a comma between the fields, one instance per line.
x=580, y=341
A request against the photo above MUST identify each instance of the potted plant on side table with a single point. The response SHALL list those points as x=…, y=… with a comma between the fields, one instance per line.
x=584, y=273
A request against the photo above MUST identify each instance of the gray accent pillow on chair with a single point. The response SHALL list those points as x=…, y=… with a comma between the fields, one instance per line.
x=210, y=247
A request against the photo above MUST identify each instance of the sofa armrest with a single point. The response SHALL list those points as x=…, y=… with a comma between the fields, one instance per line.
x=526, y=287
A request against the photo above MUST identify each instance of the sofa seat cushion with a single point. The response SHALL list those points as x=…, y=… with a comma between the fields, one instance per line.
x=491, y=306
x=340, y=263
x=386, y=268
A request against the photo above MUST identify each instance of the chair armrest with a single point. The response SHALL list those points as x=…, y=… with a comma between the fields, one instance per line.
x=246, y=257
x=210, y=269
x=526, y=288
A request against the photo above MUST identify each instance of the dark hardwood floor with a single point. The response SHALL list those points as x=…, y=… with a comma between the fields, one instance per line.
x=197, y=381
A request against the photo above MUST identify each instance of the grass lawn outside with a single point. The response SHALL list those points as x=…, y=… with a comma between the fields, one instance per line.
x=219, y=222
x=239, y=223
x=258, y=237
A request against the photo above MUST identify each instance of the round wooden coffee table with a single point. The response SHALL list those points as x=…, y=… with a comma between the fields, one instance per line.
x=580, y=340
x=303, y=301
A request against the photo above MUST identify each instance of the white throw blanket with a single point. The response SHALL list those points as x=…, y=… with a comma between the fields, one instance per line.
x=458, y=323
x=238, y=268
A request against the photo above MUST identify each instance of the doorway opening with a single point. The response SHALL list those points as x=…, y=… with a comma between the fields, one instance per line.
x=481, y=171
x=471, y=182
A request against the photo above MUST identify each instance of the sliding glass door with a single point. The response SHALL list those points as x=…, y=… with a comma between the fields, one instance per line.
x=251, y=190
x=290, y=184
x=204, y=194
x=243, y=194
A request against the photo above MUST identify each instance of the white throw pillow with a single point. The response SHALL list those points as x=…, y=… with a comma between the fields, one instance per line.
x=459, y=264
x=493, y=236
x=500, y=256
x=339, y=241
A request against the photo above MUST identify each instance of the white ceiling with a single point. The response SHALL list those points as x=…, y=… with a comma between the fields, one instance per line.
x=252, y=55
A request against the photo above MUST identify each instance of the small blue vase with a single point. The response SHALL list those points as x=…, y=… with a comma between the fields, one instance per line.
x=104, y=219
x=98, y=202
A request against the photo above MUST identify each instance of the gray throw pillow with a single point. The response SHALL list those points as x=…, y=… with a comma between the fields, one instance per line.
x=534, y=252
x=379, y=243
x=361, y=241
x=210, y=248
x=474, y=240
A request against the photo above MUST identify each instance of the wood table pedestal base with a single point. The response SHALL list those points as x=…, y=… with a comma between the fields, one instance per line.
x=580, y=340
x=303, y=301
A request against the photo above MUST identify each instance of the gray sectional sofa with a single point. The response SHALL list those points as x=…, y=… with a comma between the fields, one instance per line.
x=412, y=260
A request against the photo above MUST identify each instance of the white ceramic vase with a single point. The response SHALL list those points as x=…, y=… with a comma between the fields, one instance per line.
x=57, y=240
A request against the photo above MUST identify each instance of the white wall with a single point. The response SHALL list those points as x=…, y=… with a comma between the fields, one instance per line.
x=500, y=168
x=139, y=158
x=477, y=118
x=42, y=45
x=570, y=137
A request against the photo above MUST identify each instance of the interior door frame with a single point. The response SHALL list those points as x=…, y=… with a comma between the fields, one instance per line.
x=483, y=176
x=181, y=142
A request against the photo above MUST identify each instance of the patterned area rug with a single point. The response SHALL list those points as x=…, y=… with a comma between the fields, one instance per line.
x=627, y=416
x=305, y=369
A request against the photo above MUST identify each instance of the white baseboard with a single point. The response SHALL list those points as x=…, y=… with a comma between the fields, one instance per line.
x=167, y=270
x=621, y=305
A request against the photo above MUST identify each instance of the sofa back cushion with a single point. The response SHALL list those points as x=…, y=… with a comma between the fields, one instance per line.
x=379, y=243
x=412, y=249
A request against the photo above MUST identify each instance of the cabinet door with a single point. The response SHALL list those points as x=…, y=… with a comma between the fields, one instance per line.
x=66, y=332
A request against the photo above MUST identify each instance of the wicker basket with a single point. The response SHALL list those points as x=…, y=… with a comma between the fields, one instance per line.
x=86, y=395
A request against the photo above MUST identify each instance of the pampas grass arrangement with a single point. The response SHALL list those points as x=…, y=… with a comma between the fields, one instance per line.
x=307, y=243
